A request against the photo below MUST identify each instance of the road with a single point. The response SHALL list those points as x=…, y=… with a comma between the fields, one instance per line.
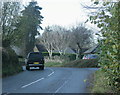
x=50, y=80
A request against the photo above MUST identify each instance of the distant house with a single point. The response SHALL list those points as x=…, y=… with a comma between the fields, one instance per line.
x=92, y=50
x=35, y=49
x=39, y=48
x=68, y=50
x=83, y=50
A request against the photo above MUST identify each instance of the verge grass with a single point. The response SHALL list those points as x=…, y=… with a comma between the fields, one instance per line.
x=53, y=64
x=100, y=83
x=81, y=63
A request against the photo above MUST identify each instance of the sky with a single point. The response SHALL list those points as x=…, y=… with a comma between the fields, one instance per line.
x=63, y=12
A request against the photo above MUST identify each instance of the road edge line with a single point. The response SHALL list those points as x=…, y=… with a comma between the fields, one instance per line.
x=32, y=82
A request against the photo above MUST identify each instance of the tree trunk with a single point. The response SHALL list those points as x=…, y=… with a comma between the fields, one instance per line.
x=60, y=52
x=80, y=54
x=77, y=54
x=65, y=50
x=80, y=50
x=50, y=54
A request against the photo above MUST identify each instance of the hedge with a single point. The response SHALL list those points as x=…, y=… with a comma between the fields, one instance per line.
x=10, y=63
x=64, y=56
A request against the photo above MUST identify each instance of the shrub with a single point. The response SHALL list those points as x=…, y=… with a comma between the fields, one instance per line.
x=110, y=44
x=45, y=53
x=10, y=63
x=67, y=57
x=83, y=63
x=101, y=83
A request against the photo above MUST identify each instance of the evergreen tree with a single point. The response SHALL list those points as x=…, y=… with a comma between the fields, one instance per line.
x=29, y=25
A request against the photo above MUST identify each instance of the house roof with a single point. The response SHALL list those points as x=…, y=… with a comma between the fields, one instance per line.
x=41, y=48
x=36, y=49
x=92, y=50
x=68, y=50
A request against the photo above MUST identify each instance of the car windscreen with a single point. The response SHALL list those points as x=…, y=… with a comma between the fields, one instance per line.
x=35, y=56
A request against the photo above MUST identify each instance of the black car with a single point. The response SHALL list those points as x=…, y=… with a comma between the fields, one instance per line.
x=35, y=59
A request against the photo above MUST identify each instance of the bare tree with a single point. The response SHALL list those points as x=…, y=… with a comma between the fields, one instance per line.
x=55, y=38
x=60, y=38
x=47, y=40
x=80, y=38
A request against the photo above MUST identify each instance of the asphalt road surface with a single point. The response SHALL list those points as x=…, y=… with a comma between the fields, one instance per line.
x=50, y=80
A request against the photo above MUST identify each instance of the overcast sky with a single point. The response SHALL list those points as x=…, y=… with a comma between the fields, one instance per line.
x=63, y=12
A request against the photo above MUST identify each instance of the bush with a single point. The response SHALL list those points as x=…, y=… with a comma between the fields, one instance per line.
x=101, y=83
x=45, y=53
x=83, y=63
x=53, y=54
x=10, y=63
x=110, y=44
x=53, y=64
x=67, y=57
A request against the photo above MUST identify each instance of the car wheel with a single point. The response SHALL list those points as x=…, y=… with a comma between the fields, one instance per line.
x=42, y=68
x=27, y=68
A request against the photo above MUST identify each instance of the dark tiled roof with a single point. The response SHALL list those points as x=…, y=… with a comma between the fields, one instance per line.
x=68, y=50
x=92, y=50
x=41, y=48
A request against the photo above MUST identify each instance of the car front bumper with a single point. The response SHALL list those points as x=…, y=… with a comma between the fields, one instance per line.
x=35, y=65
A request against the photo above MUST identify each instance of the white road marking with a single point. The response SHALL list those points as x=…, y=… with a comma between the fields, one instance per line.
x=51, y=73
x=32, y=83
x=37, y=80
x=61, y=86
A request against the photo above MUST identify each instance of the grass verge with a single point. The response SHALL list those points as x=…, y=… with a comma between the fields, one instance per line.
x=81, y=63
x=100, y=83
x=53, y=64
